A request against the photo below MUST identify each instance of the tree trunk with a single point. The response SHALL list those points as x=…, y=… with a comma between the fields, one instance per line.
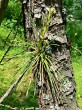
x=3, y=6
x=63, y=97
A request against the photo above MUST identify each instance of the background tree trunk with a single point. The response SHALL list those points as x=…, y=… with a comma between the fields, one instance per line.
x=3, y=6
x=64, y=95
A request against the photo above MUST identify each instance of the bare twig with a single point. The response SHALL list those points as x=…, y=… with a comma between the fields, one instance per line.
x=17, y=108
x=19, y=18
x=13, y=85
x=8, y=48
x=17, y=23
x=7, y=106
x=77, y=50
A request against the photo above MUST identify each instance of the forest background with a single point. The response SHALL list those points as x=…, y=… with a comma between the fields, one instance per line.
x=17, y=98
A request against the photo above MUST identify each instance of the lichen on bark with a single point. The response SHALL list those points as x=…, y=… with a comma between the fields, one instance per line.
x=63, y=95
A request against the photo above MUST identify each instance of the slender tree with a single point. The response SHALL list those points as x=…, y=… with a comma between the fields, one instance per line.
x=3, y=6
x=62, y=95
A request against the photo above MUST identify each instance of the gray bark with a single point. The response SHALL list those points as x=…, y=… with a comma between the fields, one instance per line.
x=63, y=97
x=3, y=6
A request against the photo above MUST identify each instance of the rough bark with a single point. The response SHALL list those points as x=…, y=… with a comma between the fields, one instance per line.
x=3, y=6
x=64, y=95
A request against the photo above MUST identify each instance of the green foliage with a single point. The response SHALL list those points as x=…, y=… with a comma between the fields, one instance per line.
x=74, y=25
x=13, y=10
x=74, y=33
x=77, y=65
x=9, y=73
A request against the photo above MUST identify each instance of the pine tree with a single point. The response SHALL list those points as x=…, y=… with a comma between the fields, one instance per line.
x=62, y=95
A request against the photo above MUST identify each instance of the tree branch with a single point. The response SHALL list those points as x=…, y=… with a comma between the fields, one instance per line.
x=3, y=6
x=13, y=85
x=77, y=50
